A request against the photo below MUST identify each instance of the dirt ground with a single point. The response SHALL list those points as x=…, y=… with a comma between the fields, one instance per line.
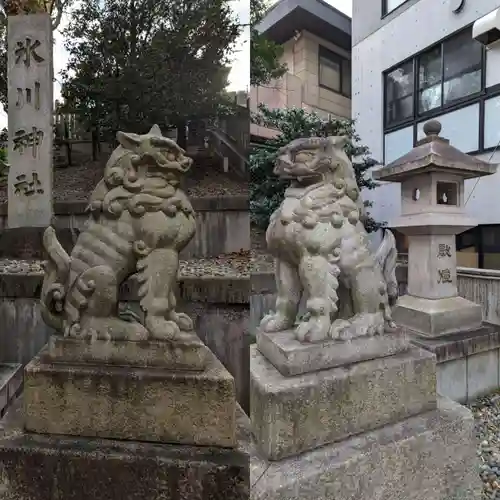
x=75, y=183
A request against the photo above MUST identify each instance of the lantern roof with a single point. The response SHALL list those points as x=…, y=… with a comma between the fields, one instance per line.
x=433, y=153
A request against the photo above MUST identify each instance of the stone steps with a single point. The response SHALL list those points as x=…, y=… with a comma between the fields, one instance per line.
x=11, y=381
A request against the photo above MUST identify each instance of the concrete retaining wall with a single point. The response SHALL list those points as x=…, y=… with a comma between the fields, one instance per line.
x=223, y=224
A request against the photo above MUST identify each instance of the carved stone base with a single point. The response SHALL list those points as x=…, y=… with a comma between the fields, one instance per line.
x=435, y=317
x=185, y=355
x=142, y=404
x=291, y=357
x=291, y=415
x=41, y=467
x=467, y=361
x=426, y=457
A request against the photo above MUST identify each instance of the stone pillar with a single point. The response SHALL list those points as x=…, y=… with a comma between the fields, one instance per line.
x=30, y=99
x=432, y=266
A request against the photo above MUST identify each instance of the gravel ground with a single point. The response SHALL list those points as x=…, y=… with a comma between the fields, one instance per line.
x=71, y=183
x=77, y=182
x=213, y=182
x=236, y=265
x=487, y=416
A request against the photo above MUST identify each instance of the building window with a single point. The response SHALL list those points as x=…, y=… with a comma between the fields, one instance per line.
x=390, y=5
x=492, y=122
x=460, y=127
x=429, y=80
x=449, y=72
x=398, y=143
x=399, y=94
x=334, y=72
x=440, y=82
x=462, y=67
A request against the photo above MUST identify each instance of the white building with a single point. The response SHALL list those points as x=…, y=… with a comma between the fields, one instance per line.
x=415, y=60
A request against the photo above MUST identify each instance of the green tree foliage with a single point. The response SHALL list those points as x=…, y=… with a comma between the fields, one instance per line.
x=137, y=62
x=266, y=190
x=264, y=53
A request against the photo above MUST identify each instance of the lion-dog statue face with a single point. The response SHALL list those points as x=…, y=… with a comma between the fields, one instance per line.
x=308, y=160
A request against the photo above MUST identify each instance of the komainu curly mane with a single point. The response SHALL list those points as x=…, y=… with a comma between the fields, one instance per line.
x=321, y=248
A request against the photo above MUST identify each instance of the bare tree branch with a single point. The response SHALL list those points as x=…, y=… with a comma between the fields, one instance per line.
x=60, y=6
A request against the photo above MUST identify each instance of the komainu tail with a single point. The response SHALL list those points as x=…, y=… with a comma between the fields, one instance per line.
x=386, y=257
x=56, y=272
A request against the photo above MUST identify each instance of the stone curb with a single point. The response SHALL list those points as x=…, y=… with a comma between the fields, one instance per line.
x=462, y=345
x=209, y=289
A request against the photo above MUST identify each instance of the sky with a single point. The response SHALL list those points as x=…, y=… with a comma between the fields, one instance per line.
x=239, y=76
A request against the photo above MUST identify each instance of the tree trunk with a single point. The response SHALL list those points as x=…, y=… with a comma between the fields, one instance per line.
x=94, y=144
x=67, y=142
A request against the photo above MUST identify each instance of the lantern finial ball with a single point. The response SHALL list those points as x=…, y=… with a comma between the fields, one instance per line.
x=432, y=127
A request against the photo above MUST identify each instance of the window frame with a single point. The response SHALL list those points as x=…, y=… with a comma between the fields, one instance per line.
x=324, y=53
x=479, y=97
x=412, y=94
x=489, y=97
x=420, y=90
x=385, y=9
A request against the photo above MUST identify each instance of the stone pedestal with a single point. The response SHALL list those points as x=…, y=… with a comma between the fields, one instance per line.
x=291, y=357
x=11, y=382
x=368, y=427
x=192, y=355
x=468, y=364
x=49, y=467
x=437, y=317
x=124, y=402
x=124, y=420
x=431, y=456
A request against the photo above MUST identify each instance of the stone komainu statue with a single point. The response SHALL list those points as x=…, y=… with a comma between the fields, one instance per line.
x=139, y=222
x=321, y=248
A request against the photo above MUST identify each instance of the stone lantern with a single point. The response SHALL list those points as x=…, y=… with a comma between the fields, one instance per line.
x=432, y=179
